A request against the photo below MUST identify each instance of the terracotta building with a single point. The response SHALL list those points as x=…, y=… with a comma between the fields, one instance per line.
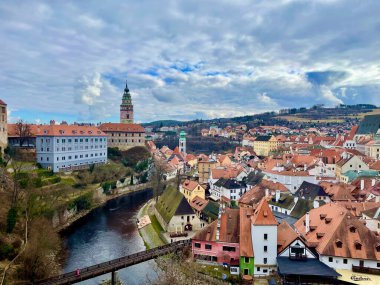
x=126, y=134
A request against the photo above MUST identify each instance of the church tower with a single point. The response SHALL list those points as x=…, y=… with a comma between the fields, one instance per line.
x=126, y=107
x=182, y=143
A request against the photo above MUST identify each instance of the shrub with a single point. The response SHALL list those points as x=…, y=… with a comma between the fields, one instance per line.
x=11, y=219
x=6, y=250
x=83, y=202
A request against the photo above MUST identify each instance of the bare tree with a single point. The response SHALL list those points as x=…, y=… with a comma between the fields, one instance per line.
x=39, y=257
x=157, y=177
x=23, y=131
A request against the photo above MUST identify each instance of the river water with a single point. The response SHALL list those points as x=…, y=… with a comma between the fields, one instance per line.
x=107, y=233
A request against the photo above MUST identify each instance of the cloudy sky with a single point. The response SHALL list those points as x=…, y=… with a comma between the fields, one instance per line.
x=68, y=60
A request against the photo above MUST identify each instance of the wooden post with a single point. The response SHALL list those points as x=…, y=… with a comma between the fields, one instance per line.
x=113, y=278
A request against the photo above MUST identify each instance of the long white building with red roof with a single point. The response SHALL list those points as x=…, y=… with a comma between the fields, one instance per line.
x=70, y=147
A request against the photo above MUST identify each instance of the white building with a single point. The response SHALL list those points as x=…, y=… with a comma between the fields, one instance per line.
x=70, y=147
x=264, y=239
x=292, y=181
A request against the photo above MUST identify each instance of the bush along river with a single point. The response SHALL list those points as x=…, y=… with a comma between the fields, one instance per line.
x=106, y=233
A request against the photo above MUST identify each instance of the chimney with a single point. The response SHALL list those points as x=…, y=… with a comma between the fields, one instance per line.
x=278, y=192
x=315, y=204
x=307, y=222
x=362, y=184
x=373, y=182
x=304, y=167
x=52, y=122
x=266, y=192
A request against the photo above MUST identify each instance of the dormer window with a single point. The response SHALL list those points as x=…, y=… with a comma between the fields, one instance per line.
x=378, y=247
x=320, y=235
x=352, y=229
x=358, y=245
x=338, y=243
x=328, y=220
x=322, y=216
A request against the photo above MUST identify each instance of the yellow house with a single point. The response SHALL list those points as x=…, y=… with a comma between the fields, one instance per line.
x=191, y=189
x=263, y=145
x=204, y=169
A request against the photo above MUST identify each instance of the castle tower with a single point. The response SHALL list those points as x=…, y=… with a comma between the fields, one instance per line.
x=126, y=107
x=182, y=143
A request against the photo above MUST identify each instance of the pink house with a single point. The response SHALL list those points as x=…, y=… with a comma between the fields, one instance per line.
x=219, y=244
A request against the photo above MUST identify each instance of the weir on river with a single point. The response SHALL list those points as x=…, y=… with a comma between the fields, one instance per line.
x=109, y=232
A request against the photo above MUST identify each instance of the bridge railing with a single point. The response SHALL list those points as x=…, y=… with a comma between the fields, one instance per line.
x=115, y=264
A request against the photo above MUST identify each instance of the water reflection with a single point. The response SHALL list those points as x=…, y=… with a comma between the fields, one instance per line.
x=107, y=233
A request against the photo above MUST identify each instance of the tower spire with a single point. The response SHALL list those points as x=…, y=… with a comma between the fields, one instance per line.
x=126, y=107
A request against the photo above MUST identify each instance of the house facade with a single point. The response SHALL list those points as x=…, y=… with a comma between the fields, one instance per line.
x=70, y=147
x=219, y=241
x=123, y=136
x=175, y=214
x=263, y=145
x=264, y=239
x=191, y=189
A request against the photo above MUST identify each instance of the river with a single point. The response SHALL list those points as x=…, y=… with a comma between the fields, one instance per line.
x=109, y=232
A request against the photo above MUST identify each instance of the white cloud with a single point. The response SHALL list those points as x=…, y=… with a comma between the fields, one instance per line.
x=185, y=60
x=328, y=97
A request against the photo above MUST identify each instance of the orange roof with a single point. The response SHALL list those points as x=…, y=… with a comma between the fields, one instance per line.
x=198, y=203
x=246, y=248
x=225, y=173
x=263, y=215
x=34, y=130
x=338, y=191
x=69, y=131
x=229, y=228
x=334, y=231
x=123, y=128
x=285, y=236
x=176, y=150
x=190, y=185
x=352, y=132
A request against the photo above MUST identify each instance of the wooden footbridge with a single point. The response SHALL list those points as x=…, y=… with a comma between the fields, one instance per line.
x=113, y=265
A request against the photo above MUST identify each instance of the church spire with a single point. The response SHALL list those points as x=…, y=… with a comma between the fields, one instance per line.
x=126, y=107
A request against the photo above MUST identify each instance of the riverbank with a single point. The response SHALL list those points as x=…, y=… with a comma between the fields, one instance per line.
x=102, y=200
x=150, y=233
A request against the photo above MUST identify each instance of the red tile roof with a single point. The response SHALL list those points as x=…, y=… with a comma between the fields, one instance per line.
x=124, y=128
x=69, y=131
x=285, y=236
x=246, y=248
x=263, y=215
x=334, y=231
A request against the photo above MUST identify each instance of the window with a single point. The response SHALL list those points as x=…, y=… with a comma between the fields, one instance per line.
x=265, y=260
x=208, y=246
x=258, y=268
x=197, y=245
x=265, y=236
x=265, y=248
x=246, y=260
x=378, y=264
x=229, y=248
x=330, y=259
x=246, y=271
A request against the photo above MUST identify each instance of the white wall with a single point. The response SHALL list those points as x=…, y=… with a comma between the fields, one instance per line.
x=285, y=253
x=291, y=182
x=337, y=262
x=258, y=243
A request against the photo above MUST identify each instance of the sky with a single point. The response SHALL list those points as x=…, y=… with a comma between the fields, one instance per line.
x=69, y=60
